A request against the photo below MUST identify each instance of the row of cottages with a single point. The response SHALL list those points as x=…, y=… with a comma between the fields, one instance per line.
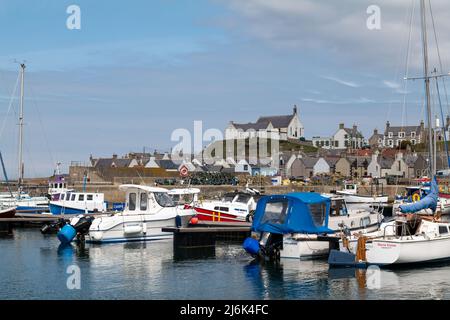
x=161, y=161
x=243, y=166
x=344, y=138
x=305, y=166
x=401, y=165
x=393, y=136
x=283, y=126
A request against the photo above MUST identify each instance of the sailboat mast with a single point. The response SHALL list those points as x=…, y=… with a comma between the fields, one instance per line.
x=21, y=168
x=427, y=87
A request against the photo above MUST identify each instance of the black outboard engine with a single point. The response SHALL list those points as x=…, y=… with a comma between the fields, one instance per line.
x=52, y=228
x=78, y=227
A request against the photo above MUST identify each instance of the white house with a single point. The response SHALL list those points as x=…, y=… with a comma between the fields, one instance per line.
x=243, y=167
x=284, y=126
x=321, y=167
x=344, y=138
x=374, y=168
x=151, y=163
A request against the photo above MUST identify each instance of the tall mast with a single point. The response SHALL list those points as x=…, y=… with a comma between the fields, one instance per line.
x=427, y=87
x=21, y=168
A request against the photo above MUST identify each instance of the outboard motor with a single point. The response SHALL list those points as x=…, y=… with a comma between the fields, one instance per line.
x=78, y=227
x=52, y=228
x=267, y=248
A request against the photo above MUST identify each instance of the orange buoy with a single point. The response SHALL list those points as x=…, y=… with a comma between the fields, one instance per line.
x=194, y=220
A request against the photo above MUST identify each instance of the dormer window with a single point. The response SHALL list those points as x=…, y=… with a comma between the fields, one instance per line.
x=413, y=134
x=401, y=134
x=390, y=134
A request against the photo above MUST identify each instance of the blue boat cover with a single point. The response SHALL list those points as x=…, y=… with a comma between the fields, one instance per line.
x=429, y=202
x=292, y=213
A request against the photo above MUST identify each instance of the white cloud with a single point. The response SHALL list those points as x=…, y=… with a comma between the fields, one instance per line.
x=343, y=82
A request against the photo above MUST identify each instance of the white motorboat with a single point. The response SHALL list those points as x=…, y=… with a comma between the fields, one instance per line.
x=299, y=225
x=351, y=195
x=147, y=211
x=341, y=219
x=236, y=206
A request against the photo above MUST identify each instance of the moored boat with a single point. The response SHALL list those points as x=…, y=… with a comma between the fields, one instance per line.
x=78, y=203
x=147, y=211
x=7, y=212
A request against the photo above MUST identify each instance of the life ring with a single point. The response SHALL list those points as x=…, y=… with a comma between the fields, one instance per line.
x=416, y=197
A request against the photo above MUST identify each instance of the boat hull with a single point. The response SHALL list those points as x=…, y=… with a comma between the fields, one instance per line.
x=60, y=210
x=129, y=228
x=308, y=247
x=358, y=199
x=397, y=252
x=217, y=216
x=7, y=213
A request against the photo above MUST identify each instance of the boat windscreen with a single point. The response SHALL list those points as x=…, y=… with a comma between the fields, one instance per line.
x=244, y=198
x=318, y=213
x=163, y=199
x=275, y=212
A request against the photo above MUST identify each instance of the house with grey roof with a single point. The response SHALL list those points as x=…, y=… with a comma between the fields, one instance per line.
x=114, y=162
x=395, y=135
x=284, y=126
x=344, y=138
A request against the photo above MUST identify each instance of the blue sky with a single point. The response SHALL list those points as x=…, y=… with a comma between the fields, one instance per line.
x=137, y=70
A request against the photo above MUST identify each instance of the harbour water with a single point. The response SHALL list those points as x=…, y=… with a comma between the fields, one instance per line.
x=33, y=266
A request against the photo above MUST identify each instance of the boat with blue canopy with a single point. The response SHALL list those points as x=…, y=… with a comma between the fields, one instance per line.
x=299, y=225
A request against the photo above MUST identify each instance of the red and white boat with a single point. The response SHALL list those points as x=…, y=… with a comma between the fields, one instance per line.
x=234, y=207
x=7, y=212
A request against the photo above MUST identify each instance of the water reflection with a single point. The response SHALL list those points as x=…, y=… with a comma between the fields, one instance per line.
x=37, y=265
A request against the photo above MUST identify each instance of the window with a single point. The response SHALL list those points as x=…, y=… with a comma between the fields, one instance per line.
x=81, y=197
x=224, y=209
x=73, y=197
x=413, y=142
x=336, y=144
x=318, y=213
x=413, y=134
x=90, y=197
x=401, y=134
x=163, y=199
x=275, y=212
x=68, y=197
x=443, y=230
x=143, y=201
x=390, y=134
x=132, y=201
x=390, y=143
x=327, y=143
x=246, y=167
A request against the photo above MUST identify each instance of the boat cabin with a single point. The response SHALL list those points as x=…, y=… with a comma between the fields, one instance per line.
x=144, y=199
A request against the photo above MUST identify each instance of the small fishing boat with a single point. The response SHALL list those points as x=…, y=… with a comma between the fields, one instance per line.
x=78, y=203
x=294, y=225
x=235, y=206
x=147, y=211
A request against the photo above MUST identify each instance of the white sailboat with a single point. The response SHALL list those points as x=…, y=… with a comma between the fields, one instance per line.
x=23, y=202
x=411, y=238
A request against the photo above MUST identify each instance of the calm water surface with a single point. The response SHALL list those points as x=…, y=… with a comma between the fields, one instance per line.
x=33, y=266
